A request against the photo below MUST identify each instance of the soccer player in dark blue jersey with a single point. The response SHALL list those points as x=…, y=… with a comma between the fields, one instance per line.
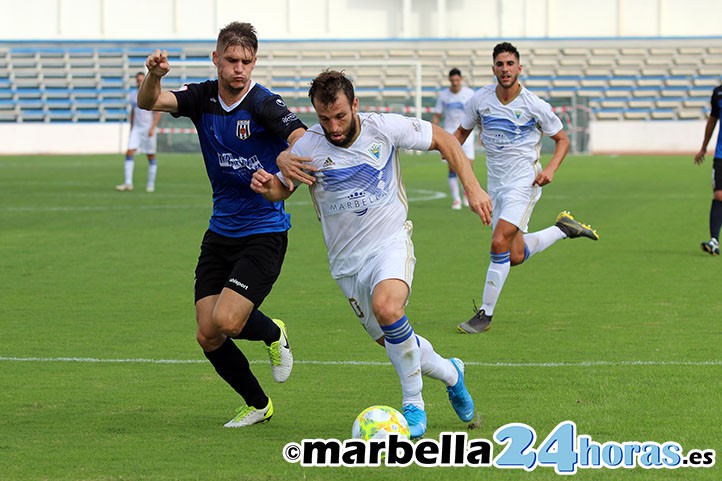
x=242, y=127
x=715, y=213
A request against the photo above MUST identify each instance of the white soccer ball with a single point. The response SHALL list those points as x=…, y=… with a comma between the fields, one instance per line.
x=377, y=422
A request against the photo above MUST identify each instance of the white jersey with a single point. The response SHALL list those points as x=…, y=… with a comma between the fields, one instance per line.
x=358, y=194
x=451, y=106
x=142, y=119
x=511, y=133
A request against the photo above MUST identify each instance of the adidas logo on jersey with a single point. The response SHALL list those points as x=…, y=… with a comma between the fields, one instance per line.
x=328, y=162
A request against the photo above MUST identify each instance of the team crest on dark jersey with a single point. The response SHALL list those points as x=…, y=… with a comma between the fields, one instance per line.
x=243, y=129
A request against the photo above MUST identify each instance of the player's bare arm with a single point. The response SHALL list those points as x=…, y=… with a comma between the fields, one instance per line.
x=561, y=147
x=156, y=119
x=450, y=149
x=269, y=186
x=295, y=167
x=150, y=94
x=461, y=134
x=708, y=130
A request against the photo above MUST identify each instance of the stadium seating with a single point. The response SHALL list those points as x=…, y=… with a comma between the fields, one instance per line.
x=619, y=79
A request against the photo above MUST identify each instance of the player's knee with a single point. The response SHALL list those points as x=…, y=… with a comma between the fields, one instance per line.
x=209, y=343
x=718, y=195
x=228, y=323
x=499, y=243
x=387, y=312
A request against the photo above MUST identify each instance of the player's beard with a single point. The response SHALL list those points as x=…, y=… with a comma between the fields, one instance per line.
x=346, y=141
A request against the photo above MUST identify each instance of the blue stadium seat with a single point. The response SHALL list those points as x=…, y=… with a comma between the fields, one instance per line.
x=32, y=114
x=87, y=115
x=115, y=115
x=60, y=115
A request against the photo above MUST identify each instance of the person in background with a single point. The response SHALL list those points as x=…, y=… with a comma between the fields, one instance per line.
x=143, y=136
x=715, y=211
x=450, y=105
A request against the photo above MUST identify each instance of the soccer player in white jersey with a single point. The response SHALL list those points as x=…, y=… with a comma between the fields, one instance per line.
x=356, y=187
x=450, y=105
x=512, y=121
x=143, y=136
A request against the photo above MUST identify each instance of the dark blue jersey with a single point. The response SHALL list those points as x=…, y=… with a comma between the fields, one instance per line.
x=716, y=107
x=235, y=144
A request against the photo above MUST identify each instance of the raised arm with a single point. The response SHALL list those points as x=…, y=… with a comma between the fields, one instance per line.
x=150, y=95
x=451, y=150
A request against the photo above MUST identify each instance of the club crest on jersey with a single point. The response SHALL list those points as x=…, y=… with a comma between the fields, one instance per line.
x=517, y=113
x=375, y=150
x=243, y=129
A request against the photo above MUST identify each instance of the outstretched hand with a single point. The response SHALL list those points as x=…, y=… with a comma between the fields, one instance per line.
x=157, y=63
x=294, y=167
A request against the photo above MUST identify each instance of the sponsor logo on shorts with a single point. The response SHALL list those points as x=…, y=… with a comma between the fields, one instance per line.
x=238, y=283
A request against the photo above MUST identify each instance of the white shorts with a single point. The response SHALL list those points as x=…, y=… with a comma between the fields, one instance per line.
x=468, y=146
x=140, y=140
x=515, y=202
x=396, y=261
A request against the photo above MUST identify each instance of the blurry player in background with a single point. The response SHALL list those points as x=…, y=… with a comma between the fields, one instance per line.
x=355, y=180
x=715, y=212
x=143, y=136
x=512, y=121
x=242, y=127
x=450, y=105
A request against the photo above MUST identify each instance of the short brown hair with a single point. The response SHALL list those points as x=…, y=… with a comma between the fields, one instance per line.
x=237, y=34
x=325, y=87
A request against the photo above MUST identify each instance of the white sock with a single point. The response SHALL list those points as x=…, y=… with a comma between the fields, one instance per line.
x=454, y=188
x=435, y=366
x=152, y=172
x=540, y=240
x=129, y=164
x=404, y=353
x=495, y=278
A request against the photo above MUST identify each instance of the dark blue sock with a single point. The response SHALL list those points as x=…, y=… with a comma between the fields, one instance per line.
x=233, y=367
x=260, y=327
x=715, y=218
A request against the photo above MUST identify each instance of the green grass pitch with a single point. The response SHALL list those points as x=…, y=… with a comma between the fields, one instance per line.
x=622, y=336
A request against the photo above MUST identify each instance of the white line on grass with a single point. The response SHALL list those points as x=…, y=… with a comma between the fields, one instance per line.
x=366, y=363
x=415, y=195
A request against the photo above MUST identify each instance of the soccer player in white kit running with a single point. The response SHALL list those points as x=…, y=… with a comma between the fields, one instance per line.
x=354, y=173
x=143, y=136
x=450, y=105
x=512, y=121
